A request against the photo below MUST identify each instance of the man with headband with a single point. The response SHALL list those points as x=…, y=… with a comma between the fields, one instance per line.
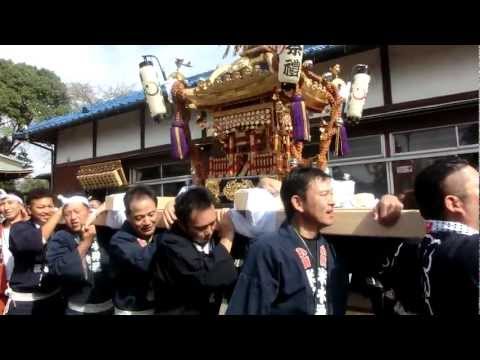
x=13, y=210
x=32, y=290
x=5, y=255
x=78, y=256
x=11, y=206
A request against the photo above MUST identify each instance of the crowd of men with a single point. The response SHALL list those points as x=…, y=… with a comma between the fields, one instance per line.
x=71, y=266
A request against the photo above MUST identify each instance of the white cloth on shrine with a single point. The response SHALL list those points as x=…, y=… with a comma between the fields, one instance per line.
x=364, y=200
x=343, y=193
x=263, y=214
x=116, y=216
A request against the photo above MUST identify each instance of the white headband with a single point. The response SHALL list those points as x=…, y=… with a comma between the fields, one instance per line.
x=13, y=197
x=76, y=198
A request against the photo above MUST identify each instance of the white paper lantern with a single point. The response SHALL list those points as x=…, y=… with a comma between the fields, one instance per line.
x=152, y=90
x=290, y=64
x=358, y=92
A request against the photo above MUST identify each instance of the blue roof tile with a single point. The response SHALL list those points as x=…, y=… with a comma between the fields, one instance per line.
x=102, y=107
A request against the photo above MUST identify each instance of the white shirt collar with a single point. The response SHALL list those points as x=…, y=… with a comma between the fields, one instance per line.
x=206, y=249
x=449, y=226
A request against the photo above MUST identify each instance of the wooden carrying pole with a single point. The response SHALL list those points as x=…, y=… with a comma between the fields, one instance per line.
x=353, y=222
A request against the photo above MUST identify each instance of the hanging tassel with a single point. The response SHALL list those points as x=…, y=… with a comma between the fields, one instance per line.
x=337, y=142
x=178, y=140
x=342, y=147
x=301, y=126
x=345, y=147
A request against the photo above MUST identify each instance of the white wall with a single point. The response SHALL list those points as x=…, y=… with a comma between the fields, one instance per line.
x=194, y=128
x=370, y=58
x=159, y=133
x=425, y=71
x=156, y=133
x=75, y=143
x=119, y=133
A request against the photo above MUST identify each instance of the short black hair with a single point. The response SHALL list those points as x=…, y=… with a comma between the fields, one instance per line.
x=296, y=183
x=137, y=192
x=96, y=198
x=196, y=198
x=38, y=193
x=429, y=186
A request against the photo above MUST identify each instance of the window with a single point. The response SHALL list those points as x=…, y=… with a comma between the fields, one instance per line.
x=360, y=147
x=166, y=179
x=449, y=137
x=366, y=146
x=169, y=188
x=172, y=189
x=369, y=178
x=429, y=145
x=175, y=169
x=468, y=134
x=418, y=140
x=148, y=173
x=405, y=171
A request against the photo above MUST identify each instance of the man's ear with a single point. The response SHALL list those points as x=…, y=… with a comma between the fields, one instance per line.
x=453, y=204
x=29, y=210
x=297, y=203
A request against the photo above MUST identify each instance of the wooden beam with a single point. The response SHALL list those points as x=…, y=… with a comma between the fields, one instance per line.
x=154, y=151
x=53, y=165
x=420, y=104
x=386, y=79
x=142, y=128
x=348, y=222
x=94, y=138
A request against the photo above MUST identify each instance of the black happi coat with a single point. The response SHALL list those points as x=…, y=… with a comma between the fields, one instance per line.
x=274, y=281
x=30, y=273
x=188, y=281
x=439, y=276
x=131, y=260
x=90, y=284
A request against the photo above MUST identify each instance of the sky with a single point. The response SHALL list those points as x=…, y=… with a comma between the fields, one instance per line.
x=105, y=66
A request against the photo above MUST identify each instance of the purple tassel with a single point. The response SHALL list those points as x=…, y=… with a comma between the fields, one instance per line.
x=301, y=127
x=344, y=146
x=178, y=141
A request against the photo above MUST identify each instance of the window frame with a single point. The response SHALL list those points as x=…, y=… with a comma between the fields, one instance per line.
x=342, y=160
x=434, y=150
x=134, y=171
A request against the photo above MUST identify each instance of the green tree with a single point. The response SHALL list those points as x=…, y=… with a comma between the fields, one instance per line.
x=26, y=185
x=27, y=95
